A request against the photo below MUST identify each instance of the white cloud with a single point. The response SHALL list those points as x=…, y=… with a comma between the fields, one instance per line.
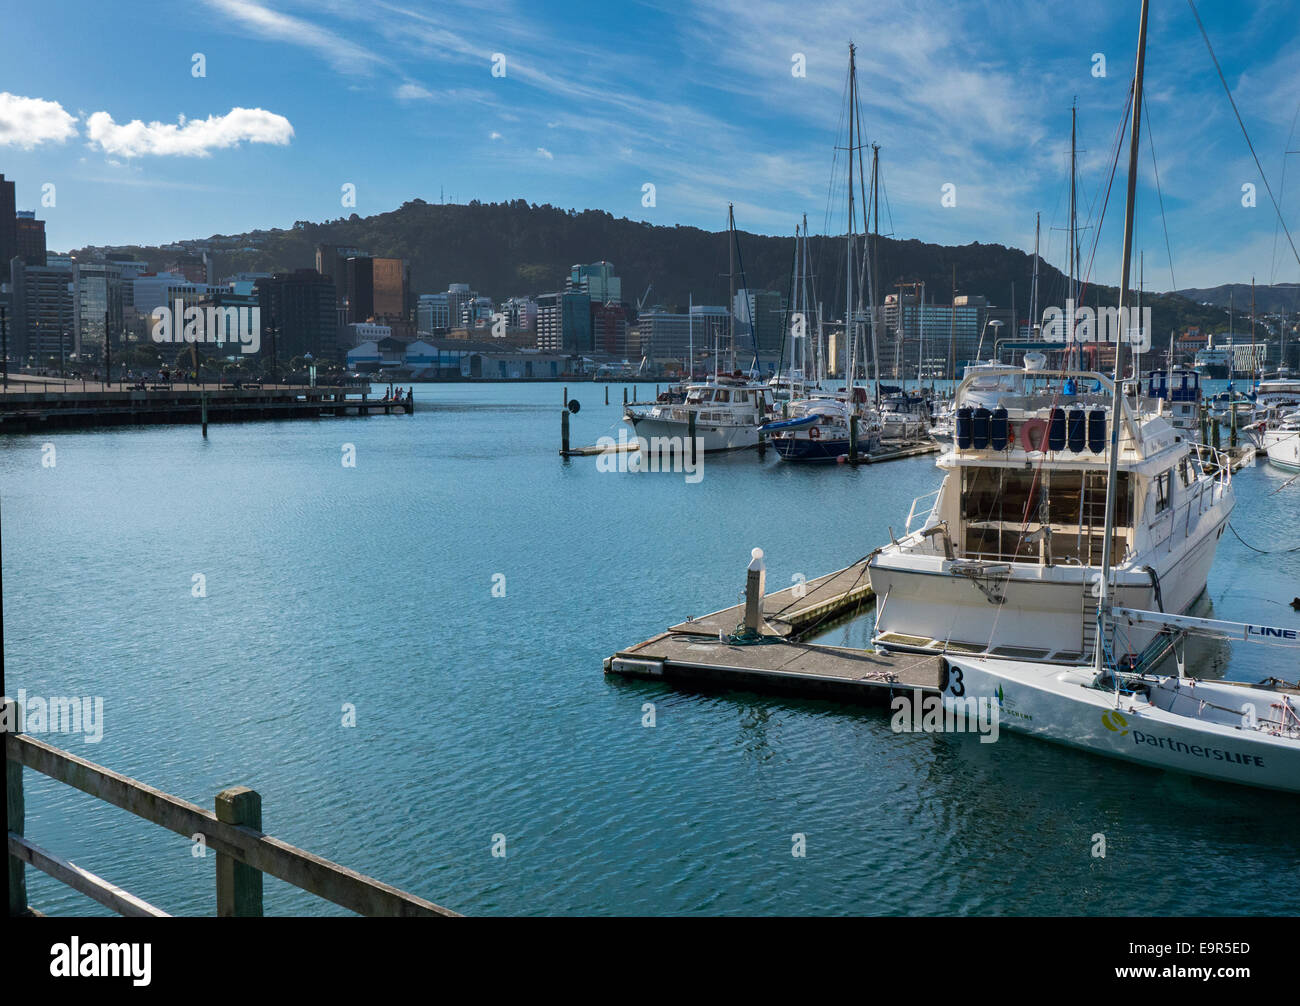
x=193, y=138
x=411, y=91
x=543, y=152
x=495, y=135
x=29, y=122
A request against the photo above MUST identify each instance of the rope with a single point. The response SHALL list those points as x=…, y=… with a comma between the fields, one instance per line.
x=1276, y=551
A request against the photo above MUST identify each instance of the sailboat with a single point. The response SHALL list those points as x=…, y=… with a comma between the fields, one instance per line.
x=825, y=427
x=725, y=410
x=1240, y=733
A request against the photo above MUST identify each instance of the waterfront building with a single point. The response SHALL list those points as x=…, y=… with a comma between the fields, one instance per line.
x=42, y=324
x=564, y=322
x=520, y=314
x=29, y=236
x=760, y=312
x=367, y=331
x=8, y=223
x=432, y=314
x=299, y=310
x=597, y=281
x=609, y=327
x=98, y=305
x=664, y=334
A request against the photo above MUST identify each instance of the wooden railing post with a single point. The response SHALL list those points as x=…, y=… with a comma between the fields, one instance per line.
x=239, y=886
x=14, y=813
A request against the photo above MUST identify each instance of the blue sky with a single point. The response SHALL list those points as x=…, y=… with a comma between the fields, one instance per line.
x=399, y=99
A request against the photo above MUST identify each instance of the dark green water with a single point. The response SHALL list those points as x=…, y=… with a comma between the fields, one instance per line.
x=479, y=715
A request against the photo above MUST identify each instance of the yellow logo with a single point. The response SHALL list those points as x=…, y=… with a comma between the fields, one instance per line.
x=1114, y=722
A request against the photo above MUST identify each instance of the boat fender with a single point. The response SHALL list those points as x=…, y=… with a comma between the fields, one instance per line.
x=814, y=433
x=1033, y=434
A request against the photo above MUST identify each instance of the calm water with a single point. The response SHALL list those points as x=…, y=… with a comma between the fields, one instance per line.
x=479, y=715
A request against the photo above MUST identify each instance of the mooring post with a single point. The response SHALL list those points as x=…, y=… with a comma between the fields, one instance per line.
x=566, y=395
x=564, y=432
x=1232, y=424
x=755, y=584
x=690, y=434
x=239, y=886
x=607, y=394
x=1214, y=432
x=625, y=394
x=203, y=400
x=853, y=439
x=14, y=814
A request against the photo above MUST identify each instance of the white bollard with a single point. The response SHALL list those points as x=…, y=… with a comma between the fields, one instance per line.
x=755, y=582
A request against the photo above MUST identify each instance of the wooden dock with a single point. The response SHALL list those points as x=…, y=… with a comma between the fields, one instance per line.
x=28, y=409
x=707, y=652
x=779, y=666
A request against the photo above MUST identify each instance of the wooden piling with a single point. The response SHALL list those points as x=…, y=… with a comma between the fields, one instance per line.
x=607, y=394
x=853, y=439
x=239, y=886
x=625, y=394
x=203, y=401
x=14, y=816
x=565, y=401
x=564, y=432
x=690, y=434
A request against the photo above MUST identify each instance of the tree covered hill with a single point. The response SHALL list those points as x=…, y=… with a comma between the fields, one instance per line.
x=505, y=249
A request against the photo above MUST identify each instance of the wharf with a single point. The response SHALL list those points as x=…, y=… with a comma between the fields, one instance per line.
x=703, y=653
x=28, y=408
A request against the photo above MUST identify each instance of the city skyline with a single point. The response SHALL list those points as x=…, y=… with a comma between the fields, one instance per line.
x=285, y=104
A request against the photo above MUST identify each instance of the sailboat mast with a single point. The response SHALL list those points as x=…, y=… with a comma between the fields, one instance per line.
x=1117, y=408
x=690, y=335
x=873, y=261
x=1033, y=290
x=952, y=329
x=731, y=279
x=1253, y=368
x=1074, y=292
x=848, y=244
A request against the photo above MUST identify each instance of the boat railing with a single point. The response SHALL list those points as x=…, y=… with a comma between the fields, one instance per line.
x=931, y=510
x=1215, y=462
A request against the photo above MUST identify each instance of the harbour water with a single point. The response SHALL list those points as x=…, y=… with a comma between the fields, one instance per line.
x=480, y=715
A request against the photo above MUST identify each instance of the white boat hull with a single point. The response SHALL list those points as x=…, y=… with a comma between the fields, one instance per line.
x=1196, y=727
x=712, y=436
x=1283, y=447
x=1048, y=613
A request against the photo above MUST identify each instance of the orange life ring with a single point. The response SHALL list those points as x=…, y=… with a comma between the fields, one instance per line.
x=814, y=433
x=1033, y=434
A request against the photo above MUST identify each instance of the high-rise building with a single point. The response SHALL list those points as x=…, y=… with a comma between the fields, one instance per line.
x=193, y=267
x=29, y=234
x=432, y=316
x=42, y=325
x=761, y=312
x=666, y=335
x=300, y=307
x=564, y=322
x=391, y=279
x=98, y=303
x=8, y=225
x=597, y=281
x=609, y=327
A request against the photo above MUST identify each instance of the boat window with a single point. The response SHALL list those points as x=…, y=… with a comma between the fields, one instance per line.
x=722, y=396
x=1163, y=486
x=1014, y=495
x=742, y=396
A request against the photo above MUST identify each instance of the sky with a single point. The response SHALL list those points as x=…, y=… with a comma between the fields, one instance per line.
x=583, y=104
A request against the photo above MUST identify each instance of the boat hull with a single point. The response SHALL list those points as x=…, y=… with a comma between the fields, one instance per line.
x=1283, y=448
x=713, y=437
x=1048, y=613
x=1059, y=705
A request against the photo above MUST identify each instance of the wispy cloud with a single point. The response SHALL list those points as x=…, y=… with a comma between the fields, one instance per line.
x=273, y=26
x=544, y=153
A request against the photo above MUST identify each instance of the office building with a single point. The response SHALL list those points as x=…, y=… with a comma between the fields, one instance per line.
x=298, y=316
x=29, y=237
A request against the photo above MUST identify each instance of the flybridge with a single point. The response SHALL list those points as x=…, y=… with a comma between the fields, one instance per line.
x=1274, y=635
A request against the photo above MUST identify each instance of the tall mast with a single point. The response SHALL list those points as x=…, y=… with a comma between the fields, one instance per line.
x=848, y=245
x=1073, y=256
x=952, y=329
x=1117, y=409
x=731, y=278
x=874, y=261
x=810, y=365
x=690, y=335
x=1253, y=368
x=1033, y=289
